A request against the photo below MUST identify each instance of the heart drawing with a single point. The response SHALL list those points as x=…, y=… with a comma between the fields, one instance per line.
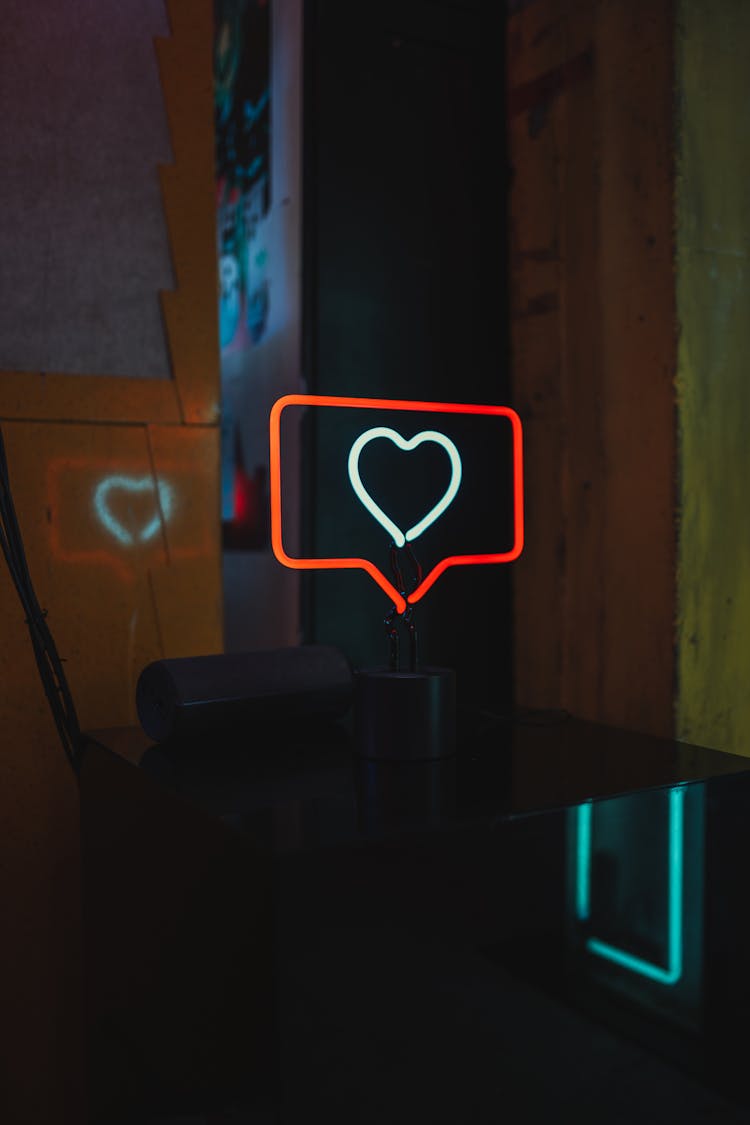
x=402, y=537
x=115, y=484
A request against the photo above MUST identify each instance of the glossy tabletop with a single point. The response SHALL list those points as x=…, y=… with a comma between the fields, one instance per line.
x=551, y=924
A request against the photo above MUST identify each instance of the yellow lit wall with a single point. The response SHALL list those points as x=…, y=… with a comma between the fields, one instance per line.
x=129, y=571
x=713, y=306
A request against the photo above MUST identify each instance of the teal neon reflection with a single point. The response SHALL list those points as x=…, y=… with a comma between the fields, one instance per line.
x=118, y=483
x=583, y=867
x=672, y=973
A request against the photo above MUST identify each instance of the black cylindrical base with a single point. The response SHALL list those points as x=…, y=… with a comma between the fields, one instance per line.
x=405, y=715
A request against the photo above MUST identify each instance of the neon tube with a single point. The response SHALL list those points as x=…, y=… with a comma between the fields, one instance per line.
x=364, y=564
x=400, y=537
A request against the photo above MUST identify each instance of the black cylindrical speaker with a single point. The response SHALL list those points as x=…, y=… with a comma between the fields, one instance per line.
x=226, y=694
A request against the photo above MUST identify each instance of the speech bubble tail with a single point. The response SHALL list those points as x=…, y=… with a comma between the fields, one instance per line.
x=337, y=564
x=462, y=560
x=387, y=587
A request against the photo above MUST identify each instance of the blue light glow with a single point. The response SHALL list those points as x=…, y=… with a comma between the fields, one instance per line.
x=662, y=975
x=118, y=483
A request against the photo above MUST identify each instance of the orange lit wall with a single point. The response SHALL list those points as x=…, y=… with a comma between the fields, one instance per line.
x=591, y=105
x=630, y=228
x=116, y=486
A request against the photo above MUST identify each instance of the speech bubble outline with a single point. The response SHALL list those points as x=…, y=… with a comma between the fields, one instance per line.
x=364, y=564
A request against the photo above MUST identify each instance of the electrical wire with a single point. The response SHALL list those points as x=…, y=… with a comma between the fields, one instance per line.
x=48, y=660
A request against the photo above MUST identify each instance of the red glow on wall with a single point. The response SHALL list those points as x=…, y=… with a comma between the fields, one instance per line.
x=76, y=535
x=245, y=499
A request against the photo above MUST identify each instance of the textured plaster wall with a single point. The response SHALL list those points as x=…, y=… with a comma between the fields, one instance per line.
x=713, y=303
x=83, y=240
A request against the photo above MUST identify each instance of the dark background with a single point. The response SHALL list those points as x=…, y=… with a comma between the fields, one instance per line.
x=405, y=283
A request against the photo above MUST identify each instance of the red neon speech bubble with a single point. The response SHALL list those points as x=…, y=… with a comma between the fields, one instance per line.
x=364, y=564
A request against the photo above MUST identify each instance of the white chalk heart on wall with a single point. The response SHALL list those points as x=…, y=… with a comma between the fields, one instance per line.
x=108, y=489
x=401, y=537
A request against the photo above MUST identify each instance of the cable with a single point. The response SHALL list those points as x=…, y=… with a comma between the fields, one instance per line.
x=48, y=660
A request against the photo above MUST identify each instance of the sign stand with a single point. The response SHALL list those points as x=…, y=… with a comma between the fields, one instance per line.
x=405, y=715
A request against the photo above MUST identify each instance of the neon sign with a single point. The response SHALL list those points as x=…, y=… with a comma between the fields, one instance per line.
x=400, y=537
x=672, y=973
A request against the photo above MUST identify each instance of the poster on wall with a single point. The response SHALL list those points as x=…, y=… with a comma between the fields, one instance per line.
x=243, y=170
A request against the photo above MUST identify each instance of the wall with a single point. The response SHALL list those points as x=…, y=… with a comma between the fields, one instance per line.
x=406, y=293
x=83, y=240
x=261, y=598
x=630, y=227
x=593, y=340
x=713, y=298
x=114, y=467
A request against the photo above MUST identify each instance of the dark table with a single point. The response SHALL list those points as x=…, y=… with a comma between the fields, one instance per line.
x=551, y=925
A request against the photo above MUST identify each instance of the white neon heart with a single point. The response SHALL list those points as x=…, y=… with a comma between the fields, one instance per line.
x=131, y=484
x=400, y=537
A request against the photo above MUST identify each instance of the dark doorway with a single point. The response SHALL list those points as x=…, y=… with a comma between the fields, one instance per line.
x=405, y=280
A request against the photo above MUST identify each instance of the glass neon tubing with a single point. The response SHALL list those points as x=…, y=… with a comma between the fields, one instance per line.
x=364, y=564
x=672, y=973
x=400, y=537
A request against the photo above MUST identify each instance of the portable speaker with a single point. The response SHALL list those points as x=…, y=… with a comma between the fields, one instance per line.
x=198, y=695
